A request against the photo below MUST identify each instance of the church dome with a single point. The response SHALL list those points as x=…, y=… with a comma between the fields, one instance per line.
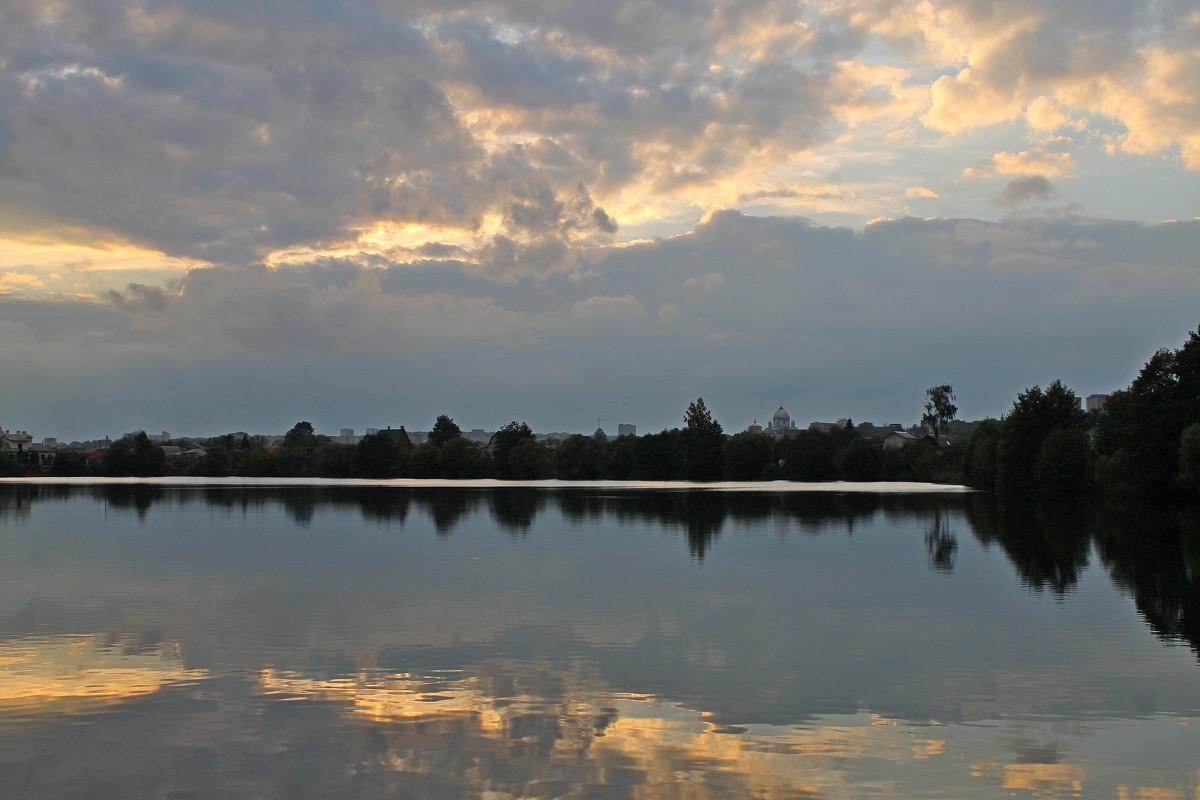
x=781, y=419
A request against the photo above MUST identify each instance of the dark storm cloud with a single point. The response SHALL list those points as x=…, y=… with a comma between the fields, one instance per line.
x=1026, y=189
x=215, y=136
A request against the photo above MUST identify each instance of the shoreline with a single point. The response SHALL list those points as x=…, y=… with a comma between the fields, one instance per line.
x=779, y=487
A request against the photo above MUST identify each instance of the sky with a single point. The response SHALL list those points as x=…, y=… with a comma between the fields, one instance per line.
x=222, y=216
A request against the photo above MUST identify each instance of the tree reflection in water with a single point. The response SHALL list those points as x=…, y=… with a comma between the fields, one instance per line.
x=1155, y=556
x=1047, y=540
x=941, y=542
x=1152, y=552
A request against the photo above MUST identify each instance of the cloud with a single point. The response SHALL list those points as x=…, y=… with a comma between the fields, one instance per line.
x=139, y=297
x=224, y=135
x=840, y=321
x=1044, y=114
x=1026, y=189
x=1038, y=161
x=1057, y=63
x=17, y=282
x=609, y=309
x=513, y=199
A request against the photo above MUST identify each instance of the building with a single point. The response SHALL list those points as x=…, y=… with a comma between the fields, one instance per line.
x=897, y=439
x=625, y=429
x=346, y=436
x=1095, y=402
x=398, y=437
x=19, y=446
x=781, y=424
x=15, y=442
x=828, y=427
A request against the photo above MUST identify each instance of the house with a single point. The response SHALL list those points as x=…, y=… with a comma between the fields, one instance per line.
x=399, y=438
x=15, y=442
x=897, y=439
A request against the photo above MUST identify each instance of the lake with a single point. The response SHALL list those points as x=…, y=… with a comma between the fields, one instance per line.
x=605, y=642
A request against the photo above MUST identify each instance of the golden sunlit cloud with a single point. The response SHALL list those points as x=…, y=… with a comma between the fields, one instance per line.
x=1033, y=162
x=42, y=266
x=1045, y=115
x=11, y=282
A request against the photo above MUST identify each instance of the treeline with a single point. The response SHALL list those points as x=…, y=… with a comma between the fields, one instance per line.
x=1146, y=440
x=699, y=451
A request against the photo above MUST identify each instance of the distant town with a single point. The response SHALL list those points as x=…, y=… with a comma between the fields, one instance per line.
x=23, y=444
x=25, y=447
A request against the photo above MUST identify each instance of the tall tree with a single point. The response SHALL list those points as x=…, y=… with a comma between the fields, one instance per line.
x=939, y=407
x=503, y=443
x=1140, y=432
x=302, y=434
x=702, y=441
x=376, y=456
x=443, y=431
x=1034, y=416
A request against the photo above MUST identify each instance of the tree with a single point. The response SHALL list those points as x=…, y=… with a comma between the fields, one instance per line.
x=699, y=419
x=423, y=461
x=939, y=408
x=1062, y=461
x=747, y=456
x=1139, y=434
x=376, y=457
x=577, y=459
x=702, y=440
x=1189, y=458
x=658, y=456
x=460, y=458
x=301, y=435
x=1034, y=416
x=810, y=456
x=529, y=461
x=503, y=442
x=69, y=462
x=135, y=454
x=443, y=431
x=979, y=460
x=214, y=462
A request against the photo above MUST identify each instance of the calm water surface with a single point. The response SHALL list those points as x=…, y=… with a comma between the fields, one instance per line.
x=322, y=643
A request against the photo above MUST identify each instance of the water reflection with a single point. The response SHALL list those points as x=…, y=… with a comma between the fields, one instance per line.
x=1048, y=541
x=941, y=542
x=1156, y=558
x=433, y=643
